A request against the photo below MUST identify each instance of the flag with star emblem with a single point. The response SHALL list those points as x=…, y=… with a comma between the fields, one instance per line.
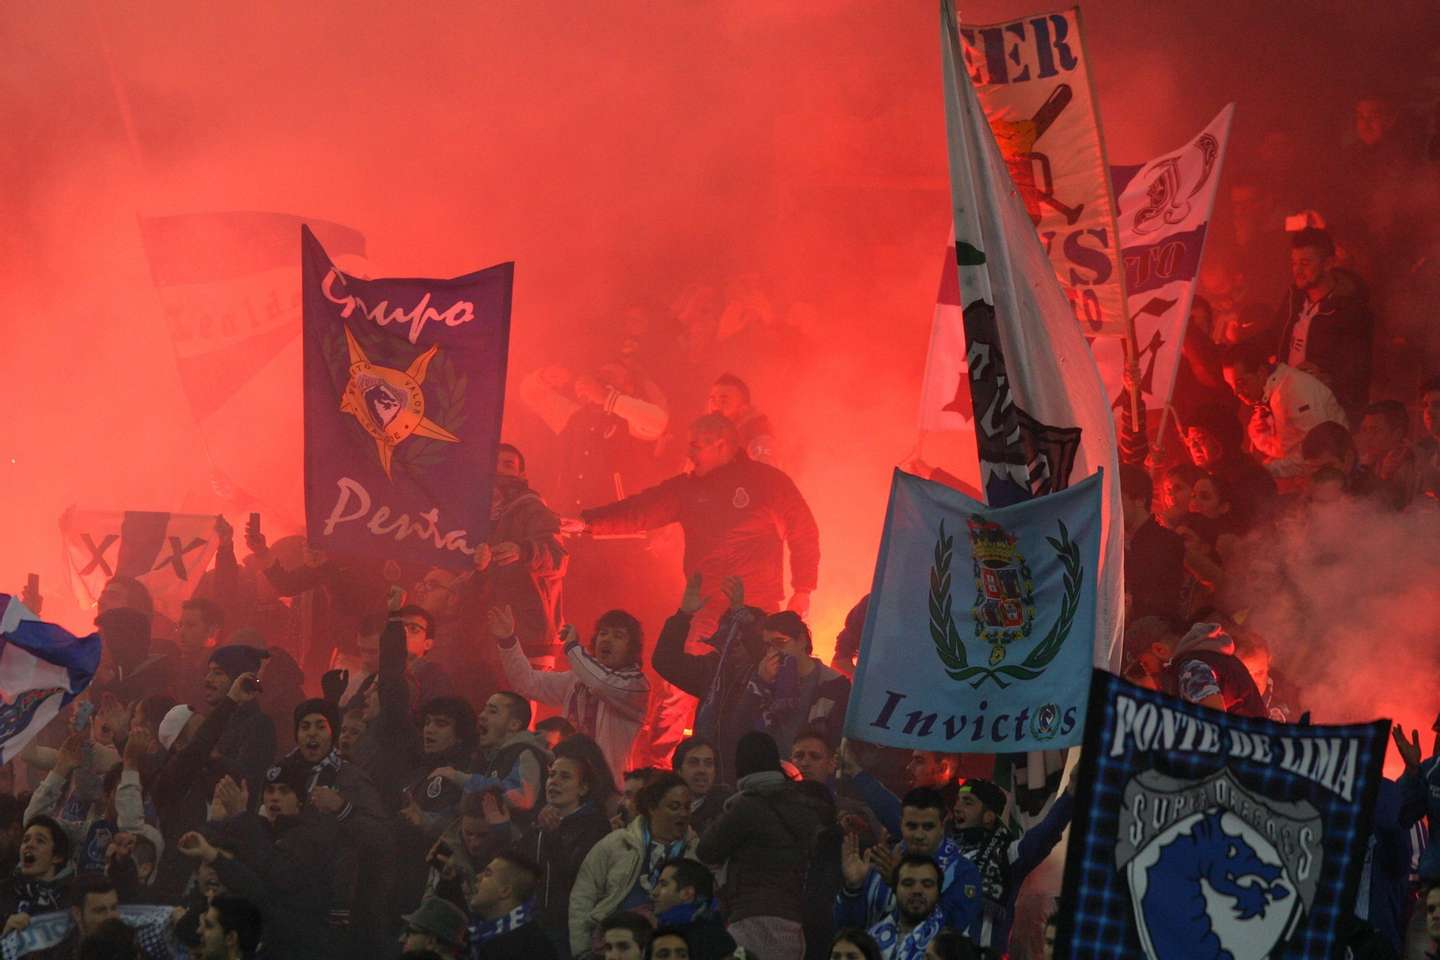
x=404, y=391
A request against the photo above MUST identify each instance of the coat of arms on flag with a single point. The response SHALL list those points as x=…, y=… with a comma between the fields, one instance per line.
x=980, y=627
x=1204, y=834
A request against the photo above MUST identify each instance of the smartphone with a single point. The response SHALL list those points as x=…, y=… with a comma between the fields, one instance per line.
x=253, y=527
x=441, y=856
x=32, y=585
x=83, y=713
x=251, y=686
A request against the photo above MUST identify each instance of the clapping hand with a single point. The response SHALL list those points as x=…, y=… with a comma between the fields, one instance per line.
x=1409, y=750
x=883, y=857
x=232, y=798
x=734, y=590
x=71, y=755
x=494, y=809
x=853, y=866
x=137, y=748
x=327, y=800
x=691, y=601
x=194, y=844
x=502, y=622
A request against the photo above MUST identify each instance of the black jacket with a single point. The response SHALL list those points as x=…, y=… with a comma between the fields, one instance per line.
x=185, y=784
x=737, y=519
x=525, y=943
x=276, y=867
x=765, y=840
x=531, y=586
x=559, y=853
x=720, y=691
x=1155, y=571
x=1340, y=338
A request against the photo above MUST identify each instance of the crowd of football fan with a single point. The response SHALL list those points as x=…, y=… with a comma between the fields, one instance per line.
x=331, y=757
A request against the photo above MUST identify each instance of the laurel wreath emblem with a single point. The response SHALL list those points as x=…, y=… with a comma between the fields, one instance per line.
x=951, y=648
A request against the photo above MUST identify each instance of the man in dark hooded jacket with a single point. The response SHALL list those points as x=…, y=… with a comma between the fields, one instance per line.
x=272, y=859
x=364, y=864
x=249, y=736
x=718, y=678
x=185, y=784
x=765, y=840
x=1326, y=323
x=136, y=666
x=521, y=563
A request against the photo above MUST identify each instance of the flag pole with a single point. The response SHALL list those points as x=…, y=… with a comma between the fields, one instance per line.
x=117, y=89
x=1132, y=345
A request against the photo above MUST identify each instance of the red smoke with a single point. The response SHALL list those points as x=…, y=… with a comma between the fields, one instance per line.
x=619, y=153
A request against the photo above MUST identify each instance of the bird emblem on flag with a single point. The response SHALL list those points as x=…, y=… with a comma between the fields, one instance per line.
x=389, y=403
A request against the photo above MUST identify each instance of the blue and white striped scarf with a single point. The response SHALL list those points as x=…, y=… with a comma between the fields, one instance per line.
x=483, y=931
x=912, y=945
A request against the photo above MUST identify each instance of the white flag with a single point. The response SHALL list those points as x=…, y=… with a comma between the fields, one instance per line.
x=1042, y=418
x=1165, y=208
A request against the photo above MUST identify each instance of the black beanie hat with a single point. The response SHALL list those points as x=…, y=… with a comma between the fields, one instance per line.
x=756, y=753
x=237, y=658
x=319, y=705
x=294, y=774
x=992, y=798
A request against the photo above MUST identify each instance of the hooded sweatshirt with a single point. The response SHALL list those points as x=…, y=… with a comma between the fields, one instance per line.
x=1204, y=665
x=764, y=840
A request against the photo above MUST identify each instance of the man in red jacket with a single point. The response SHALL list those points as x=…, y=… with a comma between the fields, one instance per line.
x=738, y=516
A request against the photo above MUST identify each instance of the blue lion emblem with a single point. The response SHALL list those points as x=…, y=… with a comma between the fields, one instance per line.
x=1174, y=903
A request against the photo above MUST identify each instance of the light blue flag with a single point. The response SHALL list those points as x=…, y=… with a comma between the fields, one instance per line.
x=980, y=635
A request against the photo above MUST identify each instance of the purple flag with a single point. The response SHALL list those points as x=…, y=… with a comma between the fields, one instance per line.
x=404, y=390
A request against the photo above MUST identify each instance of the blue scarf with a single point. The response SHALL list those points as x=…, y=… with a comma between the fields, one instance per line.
x=912, y=946
x=684, y=914
x=483, y=931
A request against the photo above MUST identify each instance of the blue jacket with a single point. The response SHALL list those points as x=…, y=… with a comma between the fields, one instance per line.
x=1004, y=867
x=1385, y=878
x=874, y=901
x=1420, y=797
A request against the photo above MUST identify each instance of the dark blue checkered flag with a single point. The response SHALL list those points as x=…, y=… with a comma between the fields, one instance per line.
x=1199, y=834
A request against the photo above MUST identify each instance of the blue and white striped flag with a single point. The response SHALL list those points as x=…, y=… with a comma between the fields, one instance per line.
x=43, y=667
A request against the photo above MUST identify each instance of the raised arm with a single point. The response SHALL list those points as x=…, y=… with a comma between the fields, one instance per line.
x=626, y=691
x=646, y=510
